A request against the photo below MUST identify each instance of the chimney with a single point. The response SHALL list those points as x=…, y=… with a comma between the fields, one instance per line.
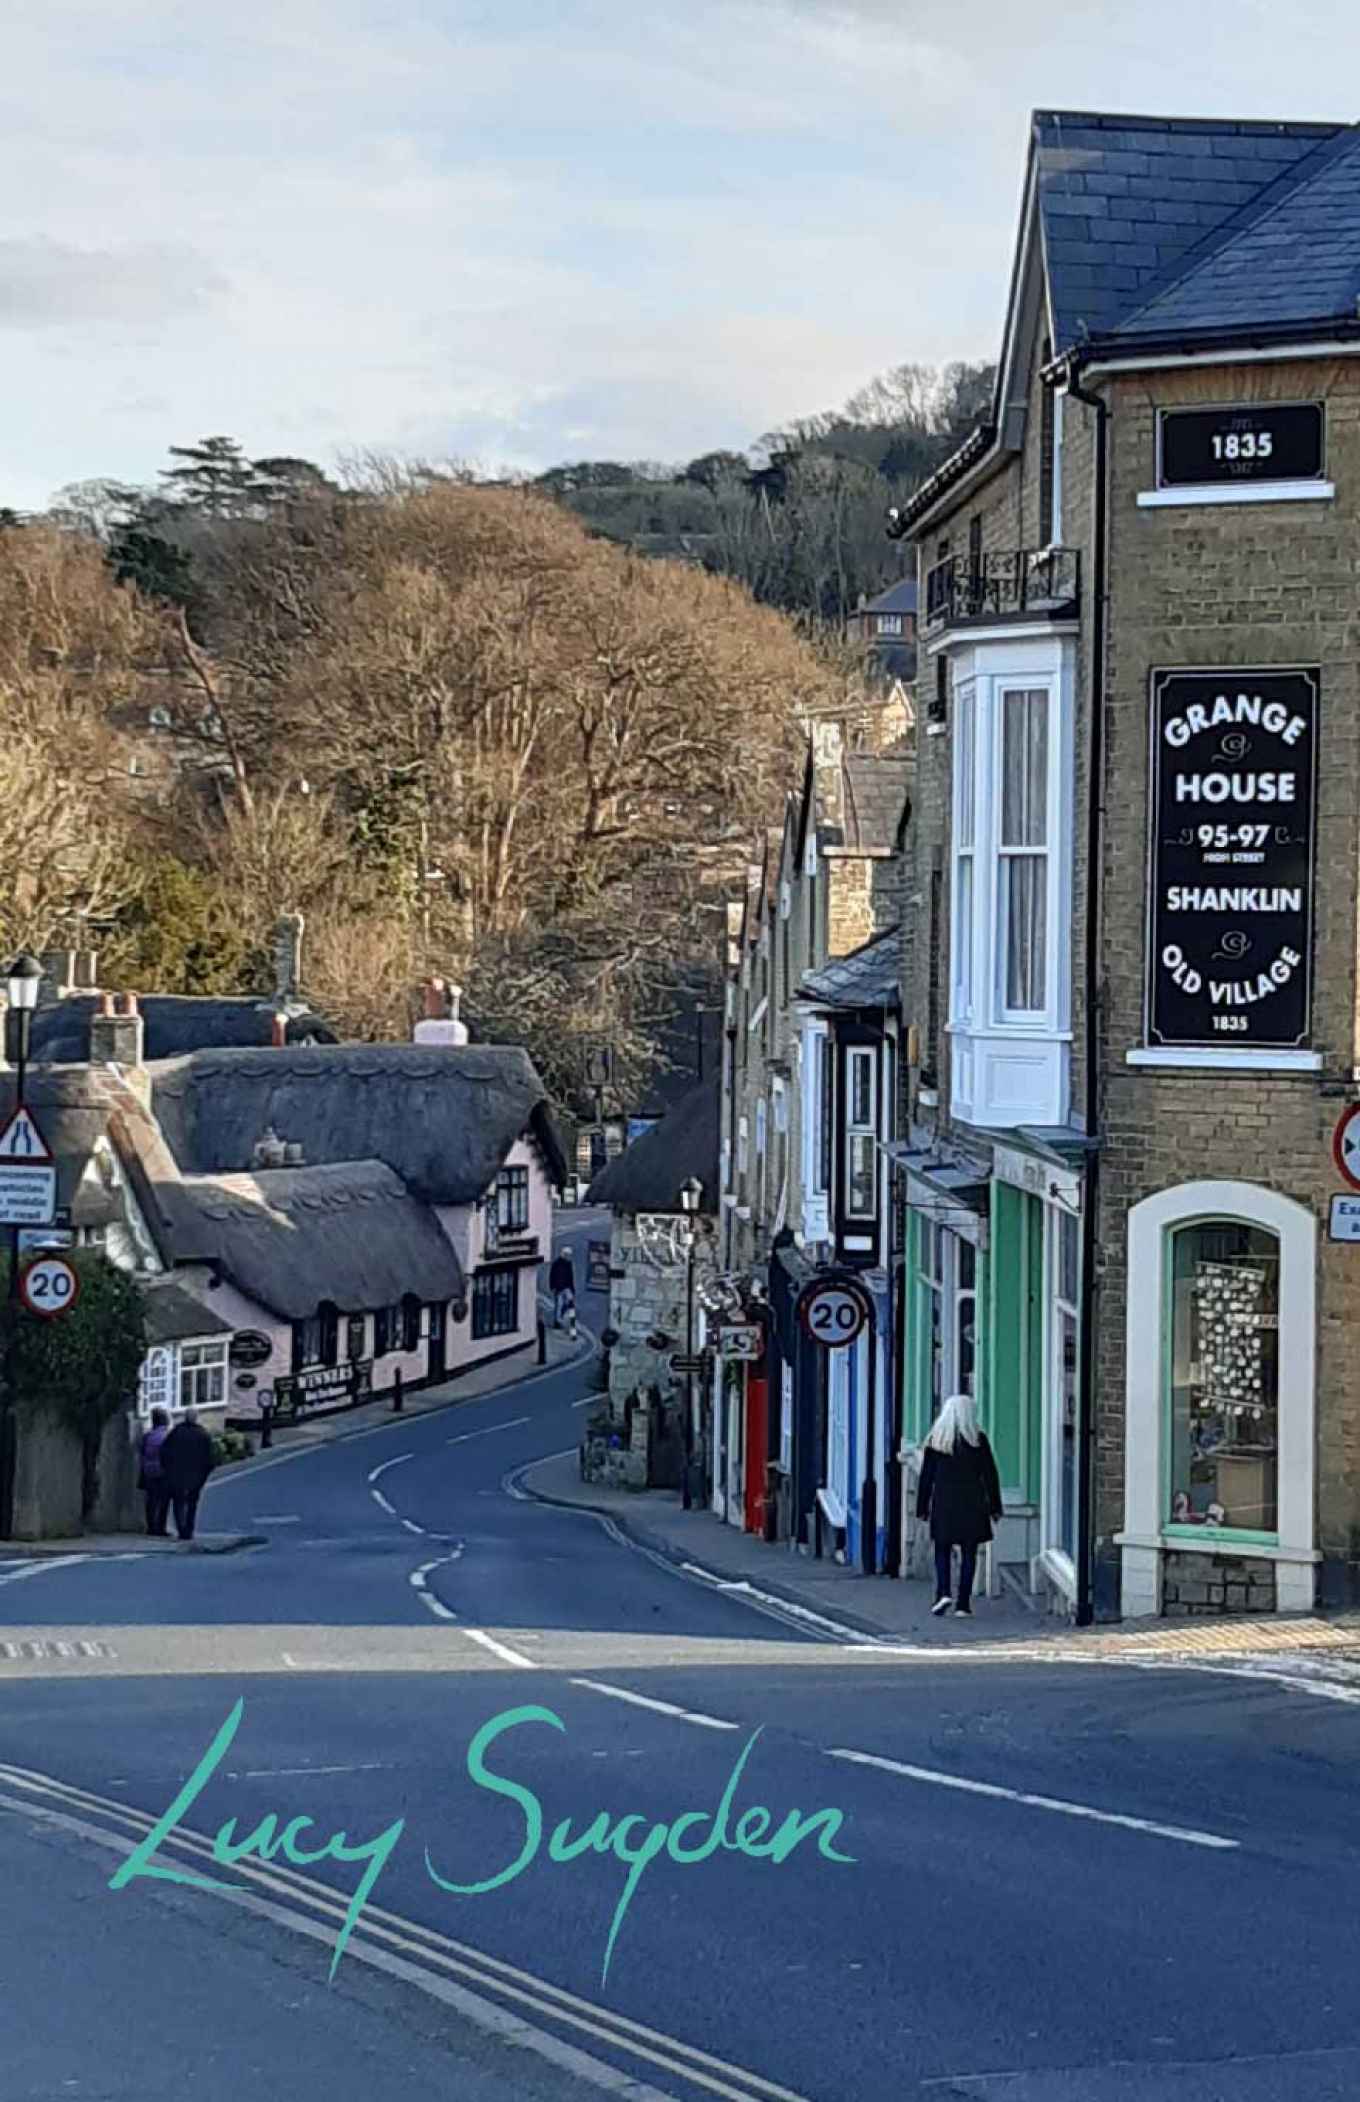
x=117, y=1032
x=59, y=975
x=270, y=1151
x=288, y=959
x=292, y=1155
x=279, y=1031
x=440, y=1023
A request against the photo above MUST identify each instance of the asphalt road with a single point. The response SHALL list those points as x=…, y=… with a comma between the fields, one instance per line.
x=1095, y=1883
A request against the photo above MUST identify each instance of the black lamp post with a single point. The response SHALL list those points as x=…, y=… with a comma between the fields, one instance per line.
x=691, y=1197
x=23, y=977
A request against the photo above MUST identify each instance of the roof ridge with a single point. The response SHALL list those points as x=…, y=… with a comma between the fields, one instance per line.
x=1242, y=127
x=1246, y=219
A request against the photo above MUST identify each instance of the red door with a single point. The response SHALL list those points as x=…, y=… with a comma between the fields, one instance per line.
x=757, y=1445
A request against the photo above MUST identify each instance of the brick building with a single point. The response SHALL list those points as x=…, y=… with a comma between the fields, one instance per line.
x=1130, y=953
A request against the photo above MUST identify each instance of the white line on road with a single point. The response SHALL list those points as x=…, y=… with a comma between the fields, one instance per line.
x=376, y=1471
x=1188, y=1836
x=273, y=1519
x=379, y=1498
x=437, y=1606
x=411, y=1526
x=513, y=1424
x=40, y=1567
x=586, y=1400
x=279, y=1773
x=641, y=1700
x=498, y=1649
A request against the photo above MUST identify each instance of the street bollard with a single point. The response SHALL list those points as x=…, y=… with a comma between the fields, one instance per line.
x=266, y=1425
x=396, y=1392
x=542, y=1342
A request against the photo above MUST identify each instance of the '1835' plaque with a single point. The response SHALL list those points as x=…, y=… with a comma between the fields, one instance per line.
x=1230, y=906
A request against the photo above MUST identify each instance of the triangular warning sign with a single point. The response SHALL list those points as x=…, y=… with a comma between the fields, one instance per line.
x=21, y=1140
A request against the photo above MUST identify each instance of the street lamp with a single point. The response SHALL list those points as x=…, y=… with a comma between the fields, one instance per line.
x=691, y=1197
x=23, y=978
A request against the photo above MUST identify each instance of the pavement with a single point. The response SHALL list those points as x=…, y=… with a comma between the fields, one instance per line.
x=1017, y=1880
x=896, y=1610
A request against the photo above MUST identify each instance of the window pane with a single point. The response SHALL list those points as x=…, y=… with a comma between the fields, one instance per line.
x=1024, y=884
x=1224, y=1376
x=964, y=1332
x=861, y=1088
x=1069, y=1254
x=965, y=732
x=966, y=1263
x=859, y=1201
x=1024, y=768
x=963, y=934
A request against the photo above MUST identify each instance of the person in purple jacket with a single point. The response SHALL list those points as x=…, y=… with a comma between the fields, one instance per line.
x=152, y=1478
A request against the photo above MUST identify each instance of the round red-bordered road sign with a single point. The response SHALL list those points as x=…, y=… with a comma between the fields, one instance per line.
x=1346, y=1145
x=833, y=1311
x=49, y=1286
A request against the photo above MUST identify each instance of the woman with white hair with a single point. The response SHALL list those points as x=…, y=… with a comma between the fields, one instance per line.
x=960, y=1493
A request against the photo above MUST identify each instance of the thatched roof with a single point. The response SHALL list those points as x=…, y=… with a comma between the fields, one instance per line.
x=176, y=1024
x=647, y=1175
x=290, y=1238
x=443, y=1116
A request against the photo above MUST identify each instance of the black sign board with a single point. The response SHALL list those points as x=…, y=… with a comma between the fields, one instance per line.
x=597, y=1266
x=1230, y=906
x=250, y=1347
x=1255, y=442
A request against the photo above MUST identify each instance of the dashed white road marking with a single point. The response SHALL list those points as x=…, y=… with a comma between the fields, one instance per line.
x=513, y=1424
x=642, y=1700
x=262, y=1518
x=279, y=1773
x=437, y=1606
x=411, y=1526
x=499, y=1649
x=395, y=1462
x=1187, y=1835
x=379, y=1498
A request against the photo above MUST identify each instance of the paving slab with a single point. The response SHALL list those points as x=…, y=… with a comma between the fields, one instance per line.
x=130, y=1543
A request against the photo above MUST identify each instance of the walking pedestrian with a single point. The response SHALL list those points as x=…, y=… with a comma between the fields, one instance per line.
x=151, y=1475
x=562, y=1285
x=960, y=1493
x=186, y=1461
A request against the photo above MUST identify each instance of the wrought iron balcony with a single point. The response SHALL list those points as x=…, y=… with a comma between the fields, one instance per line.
x=1006, y=582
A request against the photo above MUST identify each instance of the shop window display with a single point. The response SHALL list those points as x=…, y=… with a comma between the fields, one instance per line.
x=1224, y=1377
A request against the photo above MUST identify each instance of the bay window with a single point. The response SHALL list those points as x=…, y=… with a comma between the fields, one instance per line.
x=1009, y=966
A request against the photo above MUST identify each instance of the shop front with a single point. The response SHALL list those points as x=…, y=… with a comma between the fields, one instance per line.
x=1221, y=1386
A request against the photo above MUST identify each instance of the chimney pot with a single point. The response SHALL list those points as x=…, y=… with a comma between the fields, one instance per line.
x=279, y=1035
x=130, y=1006
x=106, y=1003
x=117, y=1032
x=435, y=999
x=292, y=1154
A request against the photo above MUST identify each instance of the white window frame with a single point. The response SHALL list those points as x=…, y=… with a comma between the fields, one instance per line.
x=963, y=900
x=1144, y=1542
x=816, y=1197
x=1007, y=853
x=853, y=1127
x=1055, y=523
x=198, y=1362
x=1009, y=1068
x=889, y=623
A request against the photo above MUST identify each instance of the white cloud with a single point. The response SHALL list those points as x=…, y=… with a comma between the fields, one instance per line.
x=561, y=226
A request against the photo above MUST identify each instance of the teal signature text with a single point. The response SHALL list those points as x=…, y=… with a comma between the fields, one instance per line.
x=634, y=1840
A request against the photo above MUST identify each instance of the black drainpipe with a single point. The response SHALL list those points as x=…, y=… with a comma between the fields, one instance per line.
x=1095, y=756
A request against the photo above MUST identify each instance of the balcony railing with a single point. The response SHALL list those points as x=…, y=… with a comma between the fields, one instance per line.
x=1005, y=582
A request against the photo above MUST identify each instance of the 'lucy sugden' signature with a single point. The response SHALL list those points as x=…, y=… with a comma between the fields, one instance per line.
x=632, y=1839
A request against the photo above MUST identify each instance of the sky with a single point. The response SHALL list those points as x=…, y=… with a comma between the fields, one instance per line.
x=519, y=234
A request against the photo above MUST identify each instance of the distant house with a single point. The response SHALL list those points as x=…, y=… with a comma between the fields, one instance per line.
x=330, y=1215
x=887, y=626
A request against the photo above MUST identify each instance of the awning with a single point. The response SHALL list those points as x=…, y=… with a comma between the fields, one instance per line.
x=950, y=1193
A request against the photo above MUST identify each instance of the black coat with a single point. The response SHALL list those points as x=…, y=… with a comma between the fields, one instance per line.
x=960, y=1492
x=562, y=1274
x=187, y=1457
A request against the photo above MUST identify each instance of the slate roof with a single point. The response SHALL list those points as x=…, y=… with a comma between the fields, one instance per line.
x=173, y=1315
x=290, y=1238
x=870, y=976
x=647, y=1175
x=442, y=1116
x=176, y=1023
x=898, y=598
x=876, y=792
x=1129, y=204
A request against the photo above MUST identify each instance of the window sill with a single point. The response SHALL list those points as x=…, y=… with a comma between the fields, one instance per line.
x=1211, y=1058
x=1198, y=1540
x=1236, y=493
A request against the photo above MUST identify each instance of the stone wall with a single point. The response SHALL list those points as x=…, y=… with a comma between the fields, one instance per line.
x=47, y=1482
x=1195, y=1586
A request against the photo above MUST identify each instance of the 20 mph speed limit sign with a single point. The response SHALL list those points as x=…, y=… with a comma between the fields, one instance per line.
x=833, y=1312
x=49, y=1286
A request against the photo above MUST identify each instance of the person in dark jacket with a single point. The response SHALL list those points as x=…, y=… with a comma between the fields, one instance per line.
x=186, y=1462
x=151, y=1479
x=562, y=1285
x=960, y=1493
